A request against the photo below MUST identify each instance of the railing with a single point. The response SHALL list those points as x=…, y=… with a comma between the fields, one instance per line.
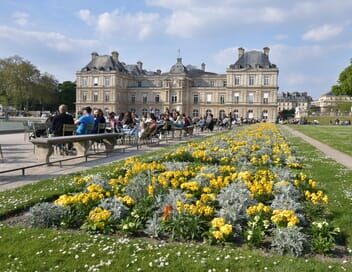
x=136, y=145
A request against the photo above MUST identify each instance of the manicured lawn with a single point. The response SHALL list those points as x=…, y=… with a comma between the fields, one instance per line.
x=339, y=137
x=325, y=120
x=50, y=250
x=333, y=178
x=23, y=249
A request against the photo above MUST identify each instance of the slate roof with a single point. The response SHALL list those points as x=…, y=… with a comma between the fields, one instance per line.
x=105, y=63
x=253, y=59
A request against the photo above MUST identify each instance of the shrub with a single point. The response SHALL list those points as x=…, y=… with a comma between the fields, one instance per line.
x=289, y=240
x=323, y=236
x=46, y=215
x=118, y=210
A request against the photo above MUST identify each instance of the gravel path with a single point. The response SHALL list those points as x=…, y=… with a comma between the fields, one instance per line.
x=19, y=153
x=336, y=155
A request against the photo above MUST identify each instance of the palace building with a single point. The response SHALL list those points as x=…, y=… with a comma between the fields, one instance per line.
x=248, y=89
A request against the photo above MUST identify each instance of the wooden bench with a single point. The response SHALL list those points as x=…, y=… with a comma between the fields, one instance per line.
x=187, y=130
x=44, y=147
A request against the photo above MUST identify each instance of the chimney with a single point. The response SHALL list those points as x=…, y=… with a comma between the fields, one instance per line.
x=158, y=72
x=266, y=50
x=94, y=55
x=240, y=52
x=115, y=56
x=140, y=65
x=203, y=67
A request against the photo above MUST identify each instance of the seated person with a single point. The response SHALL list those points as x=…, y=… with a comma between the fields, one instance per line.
x=59, y=120
x=99, y=119
x=85, y=121
x=151, y=128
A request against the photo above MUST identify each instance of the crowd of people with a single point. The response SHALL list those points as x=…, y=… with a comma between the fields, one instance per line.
x=130, y=123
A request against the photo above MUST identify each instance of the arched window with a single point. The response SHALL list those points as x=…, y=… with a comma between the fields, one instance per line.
x=250, y=114
x=208, y=111
x=236, y=114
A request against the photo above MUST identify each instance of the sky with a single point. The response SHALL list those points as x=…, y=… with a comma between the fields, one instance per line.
x=310, y=40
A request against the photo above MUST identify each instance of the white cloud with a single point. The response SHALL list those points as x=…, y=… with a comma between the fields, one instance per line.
x=86, y=16
x=226, y=56
x=322, y=33
x=20, y=18
x=54, y=40
x=141, y=24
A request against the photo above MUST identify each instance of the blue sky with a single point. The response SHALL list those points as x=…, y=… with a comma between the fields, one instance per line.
x=310, y=40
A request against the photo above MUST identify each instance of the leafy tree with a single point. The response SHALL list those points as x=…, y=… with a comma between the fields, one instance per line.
x=344, y=83
x=23, y=86
x=67, y=94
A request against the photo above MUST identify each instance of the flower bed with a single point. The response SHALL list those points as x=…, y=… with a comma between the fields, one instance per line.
x=239, y=187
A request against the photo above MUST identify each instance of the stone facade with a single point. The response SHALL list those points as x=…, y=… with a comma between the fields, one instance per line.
x=328, y=102
x=248, y=89
x=292, y=100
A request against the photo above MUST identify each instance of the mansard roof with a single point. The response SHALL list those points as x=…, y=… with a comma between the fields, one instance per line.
x=104, y=63
x=253, y=59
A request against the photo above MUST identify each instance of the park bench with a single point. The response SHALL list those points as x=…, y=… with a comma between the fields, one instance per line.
x=44, y=147
x=186, y=130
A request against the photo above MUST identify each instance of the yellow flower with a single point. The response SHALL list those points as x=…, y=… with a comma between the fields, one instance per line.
x=129, y=201
x=226, y=229
x=218, y=222
x=218, y=235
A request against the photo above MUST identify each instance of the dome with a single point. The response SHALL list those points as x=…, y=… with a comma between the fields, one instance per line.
x=178, y=68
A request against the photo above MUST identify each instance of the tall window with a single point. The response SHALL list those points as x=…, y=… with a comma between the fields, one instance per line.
x=157, y=98
x=195, y=113
x=196, y=99
x=107, y=81
x=139, y=84
x=251, y=81
x=106, y=97
x=211, y=83
x=250, y=114
x=95, y=81
x=208, y=112
x=145, y=99
x=265, y=115
x=133, y=99
x=157, y=112
x=95, y=96
x=237, y=80
x=224, y=83
x=84, y=81
x=222, y=114
x=236, y=114
x=265, y=80
x=160, y=83
x=84, y=96
x=174, y=98
x=222, y=99
x=208, y=98
x=250, y=98
x=144, y=112
x=265, y=98
x=236, y=98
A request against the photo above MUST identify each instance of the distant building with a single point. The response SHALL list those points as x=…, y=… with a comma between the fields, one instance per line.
x=248, y=89
x=293, y=100
x=329, y=102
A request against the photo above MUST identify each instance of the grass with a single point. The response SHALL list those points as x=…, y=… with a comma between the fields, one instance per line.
x=335, y=179
x=32, y=249
x=325, y=120
x=338, y=137
x=51, y=250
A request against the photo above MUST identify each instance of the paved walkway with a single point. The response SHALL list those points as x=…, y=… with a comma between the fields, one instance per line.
x=334, y=154
x=19, y=153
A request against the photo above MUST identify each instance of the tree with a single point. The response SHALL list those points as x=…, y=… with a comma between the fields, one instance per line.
x=344, y=83
x=23, y=86
x=67, y=94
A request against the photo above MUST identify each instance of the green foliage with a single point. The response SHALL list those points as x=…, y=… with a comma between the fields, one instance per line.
x=185, y=227
x=67, y=94
x=344, y=83
x=23, y=85
x=323, y=236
